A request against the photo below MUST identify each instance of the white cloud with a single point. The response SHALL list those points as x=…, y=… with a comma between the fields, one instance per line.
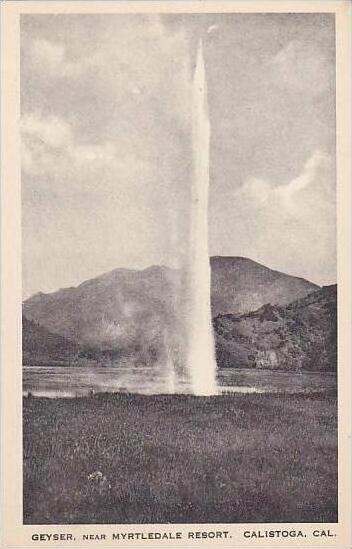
x=51, y=130
x=290, y=226
x=46, y=140
x=123, y=60
x=301, y=66
x=101, y=154
x=317, y=161
x=264, y=192
x=52, y=57
x=122, y=83
x=256, y=189
x=49, y=53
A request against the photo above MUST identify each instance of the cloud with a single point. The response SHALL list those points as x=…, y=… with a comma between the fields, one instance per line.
x=297, y=217
x=51, y=130
x=47, y=52
x=301, y=66
x=106, y=131
x=47, y=140
x=132, y=91
x=52, y=58
x=318, y=161
x=265, y=192
x=101, y=154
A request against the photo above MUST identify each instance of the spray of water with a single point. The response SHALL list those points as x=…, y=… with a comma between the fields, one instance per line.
x=201, y=352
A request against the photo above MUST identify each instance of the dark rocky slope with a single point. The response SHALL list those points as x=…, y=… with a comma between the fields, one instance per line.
x=40, y=347
x=299, y=336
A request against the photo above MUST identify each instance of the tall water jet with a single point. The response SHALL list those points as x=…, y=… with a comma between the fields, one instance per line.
x=201, y=349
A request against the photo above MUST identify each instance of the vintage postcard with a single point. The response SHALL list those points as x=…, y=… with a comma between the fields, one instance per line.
x=176, y=282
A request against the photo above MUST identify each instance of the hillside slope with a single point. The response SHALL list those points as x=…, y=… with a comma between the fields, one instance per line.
x=39, y=346
x=135, y=311
x=240, y=285
x=300, y=336
x=124, y=311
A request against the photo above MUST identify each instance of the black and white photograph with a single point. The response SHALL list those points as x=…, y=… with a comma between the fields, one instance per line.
x=176, y=274
x=179, y=315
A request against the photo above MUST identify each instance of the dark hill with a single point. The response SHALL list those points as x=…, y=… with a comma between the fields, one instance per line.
x=132, y=312
x=240, y=285
x=300, y=336
x=39, y=346
x=124, y=311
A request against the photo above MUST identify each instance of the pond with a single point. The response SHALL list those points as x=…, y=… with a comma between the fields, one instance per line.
x=64, y=381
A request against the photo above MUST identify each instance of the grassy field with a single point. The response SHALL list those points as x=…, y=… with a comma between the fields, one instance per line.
x=136, y=459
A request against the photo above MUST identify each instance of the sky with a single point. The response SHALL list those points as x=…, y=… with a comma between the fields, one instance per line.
x=107, y=152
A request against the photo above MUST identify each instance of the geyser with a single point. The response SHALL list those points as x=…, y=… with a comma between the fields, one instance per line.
x=201, y=350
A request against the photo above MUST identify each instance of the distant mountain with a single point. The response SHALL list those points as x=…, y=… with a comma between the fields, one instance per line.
x=240, y=285
x=133, y=312
x=124, y=310
x=299, y=336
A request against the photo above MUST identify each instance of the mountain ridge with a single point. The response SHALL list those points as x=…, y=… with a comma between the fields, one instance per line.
x=154, y=267
x=134, y=312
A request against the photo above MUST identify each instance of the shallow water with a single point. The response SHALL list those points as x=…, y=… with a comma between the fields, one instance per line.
x=63, y=381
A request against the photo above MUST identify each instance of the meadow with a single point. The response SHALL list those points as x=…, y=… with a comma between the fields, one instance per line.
x=123, y=458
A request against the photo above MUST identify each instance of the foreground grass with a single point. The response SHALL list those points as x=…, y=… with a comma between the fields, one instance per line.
x=137, y=459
